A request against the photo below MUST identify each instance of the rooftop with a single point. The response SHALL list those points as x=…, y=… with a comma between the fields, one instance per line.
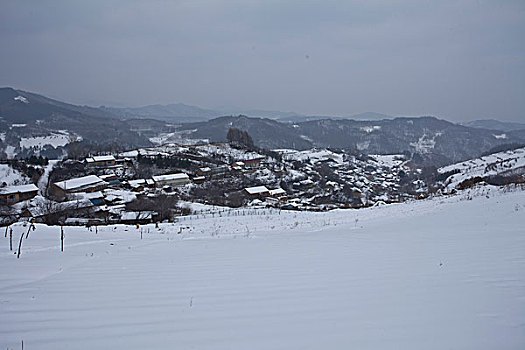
x=80, y=182
x=18, y=189
x=257, y=190
x=168, y=177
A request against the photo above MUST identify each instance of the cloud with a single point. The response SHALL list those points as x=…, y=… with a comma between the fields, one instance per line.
x=458, y=60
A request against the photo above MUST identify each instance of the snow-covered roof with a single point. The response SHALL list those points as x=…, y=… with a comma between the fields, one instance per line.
x=94, y=195
x=277, y=191
x=256, y=190
x=136, y=183
x=135, y=215
x=109, y=176
x=103, y=158
x=18, y=189
x=80, y=183
x=168, y=177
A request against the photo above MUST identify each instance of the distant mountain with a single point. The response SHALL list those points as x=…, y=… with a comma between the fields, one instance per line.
x=440, y=141
x=370, y=116
x=266, y=133
x=179, y=113
x=25, y=115
x=175, y=113
x=493, y=124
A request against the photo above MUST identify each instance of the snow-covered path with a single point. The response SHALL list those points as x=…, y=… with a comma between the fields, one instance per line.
x=440, y=274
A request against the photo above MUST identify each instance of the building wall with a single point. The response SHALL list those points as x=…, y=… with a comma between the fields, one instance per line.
x=17, y=197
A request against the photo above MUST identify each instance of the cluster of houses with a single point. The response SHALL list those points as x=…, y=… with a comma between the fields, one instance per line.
x=103, y=197
x=309, y=180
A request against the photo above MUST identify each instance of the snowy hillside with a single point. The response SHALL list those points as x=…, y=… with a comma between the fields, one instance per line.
x=447, y=273
x=11, y=176
x=502, y=163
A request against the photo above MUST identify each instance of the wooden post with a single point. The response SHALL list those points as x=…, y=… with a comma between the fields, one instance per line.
x=11, y=239
x=6, y=231
x=140, y=233
x=20, y=246
x=29, y=229
x=61, y=238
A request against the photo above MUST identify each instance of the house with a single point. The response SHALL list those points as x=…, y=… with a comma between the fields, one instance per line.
x=178, y=179
x=278, y=193
x=137, y=185
x=199, y=179
x=257, y=191
x=82, y=206
x=204, y=171
x=100, y=161
x=112, y=179
x=15, y=194
x=90, y=183
x=97, y=198
x=253, y=163
x=136, y=217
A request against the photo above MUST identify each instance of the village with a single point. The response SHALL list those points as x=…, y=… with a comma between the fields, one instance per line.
x=155, y=184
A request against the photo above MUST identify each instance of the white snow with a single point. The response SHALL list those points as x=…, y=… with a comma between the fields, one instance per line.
x=498, y=163
x=501, y=136
x=446, y=273
x=12, y=176
x=426, y=143
x=169, y=177
x=388, y=160
x=54, y=140
x=10, y=151
x=18, y=189
x=369, y=129
x=314, y=155
x=103, y=158
x=80, y=182
x=21, y=99
x=256, y=190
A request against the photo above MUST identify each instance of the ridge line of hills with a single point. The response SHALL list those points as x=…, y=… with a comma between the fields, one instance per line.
x=25, y=116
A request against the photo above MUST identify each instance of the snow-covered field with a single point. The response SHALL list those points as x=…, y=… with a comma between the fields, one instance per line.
x=446, y=273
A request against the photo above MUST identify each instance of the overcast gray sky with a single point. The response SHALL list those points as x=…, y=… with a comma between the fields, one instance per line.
x=458, y=60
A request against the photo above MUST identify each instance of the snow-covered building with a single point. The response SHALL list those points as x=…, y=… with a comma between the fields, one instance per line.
x=90, y=183
x=99, y=161
x=257, y=191
x=277, y=193
x=253, y=162
x=15, y=194
x=179, y=179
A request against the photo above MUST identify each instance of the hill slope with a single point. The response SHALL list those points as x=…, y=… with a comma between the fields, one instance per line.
x=29, y=115
x=441, y=141
x=436, y=274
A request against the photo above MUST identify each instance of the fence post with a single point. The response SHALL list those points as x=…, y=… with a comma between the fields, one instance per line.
x=11, y=239
x=61, y=238
x=20, y=246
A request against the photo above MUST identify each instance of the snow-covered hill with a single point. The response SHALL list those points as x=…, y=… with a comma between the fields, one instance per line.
x=502, y=163
x=434, y=274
